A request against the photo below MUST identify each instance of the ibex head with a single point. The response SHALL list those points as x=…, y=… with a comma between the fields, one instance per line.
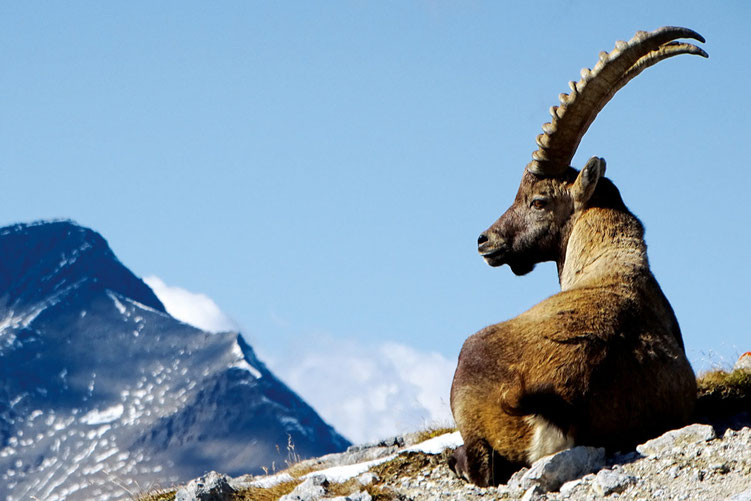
x=534, y=228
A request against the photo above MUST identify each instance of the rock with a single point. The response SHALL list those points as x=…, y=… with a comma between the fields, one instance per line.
x=689, y=435
x=312, y=489
x=359, y=496
x=684, y=470
x=743, y=363
x=367, y=478
x=210, y=487
x=721, y=468
x=741, y=496
x=397, y=441
x=533, y=493
x=515, y=482
x=608, y=481
x=674, y=471
x=568, y=488
x=353, y=455
x=627, y=457
x=553, y=471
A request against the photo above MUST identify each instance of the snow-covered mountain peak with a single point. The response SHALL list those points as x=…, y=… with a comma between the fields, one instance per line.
x=42, y=258
x=100, y=388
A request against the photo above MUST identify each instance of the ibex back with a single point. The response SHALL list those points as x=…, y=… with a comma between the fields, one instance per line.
x=602, y=362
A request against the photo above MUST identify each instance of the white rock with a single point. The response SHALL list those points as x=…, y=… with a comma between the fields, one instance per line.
x=367, y=478
x=674, y=471
x=608, y=481
x=515, y=482
x=532, y=494
x=689, y=435
x=567, y=488
x=553, y=471
x=743, y=363
x=741, y=496
x=210, y=487
x=312, y=489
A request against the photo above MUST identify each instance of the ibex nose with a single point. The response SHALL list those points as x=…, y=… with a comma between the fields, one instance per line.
x=489, y=243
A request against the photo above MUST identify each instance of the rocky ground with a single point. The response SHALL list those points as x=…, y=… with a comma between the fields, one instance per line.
x=709, y=460
x=698, y=462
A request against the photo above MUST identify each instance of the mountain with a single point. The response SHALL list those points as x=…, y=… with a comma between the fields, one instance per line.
x=103, y=394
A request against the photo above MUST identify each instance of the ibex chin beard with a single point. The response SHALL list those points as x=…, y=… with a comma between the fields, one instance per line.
x=501, y=256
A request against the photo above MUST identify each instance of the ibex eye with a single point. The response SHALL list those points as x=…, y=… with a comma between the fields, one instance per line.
x=539, y=203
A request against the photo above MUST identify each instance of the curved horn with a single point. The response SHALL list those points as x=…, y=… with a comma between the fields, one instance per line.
x=561, y=136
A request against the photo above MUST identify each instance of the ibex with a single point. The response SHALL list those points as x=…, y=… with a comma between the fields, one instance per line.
x=602, y=362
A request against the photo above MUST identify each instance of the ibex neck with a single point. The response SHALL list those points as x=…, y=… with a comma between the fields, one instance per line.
x=603, y=246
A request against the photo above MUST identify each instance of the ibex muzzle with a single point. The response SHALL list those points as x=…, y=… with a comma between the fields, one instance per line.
x=602, y=362
x=532, y=229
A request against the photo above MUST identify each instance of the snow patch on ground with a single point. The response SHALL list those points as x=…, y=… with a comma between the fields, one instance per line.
x=104, y=416
x=272, y=480
x=438, y=444
x=243, y=364
x=120, y=307
x=338, y=474
x=111, y=452
x=14, y=321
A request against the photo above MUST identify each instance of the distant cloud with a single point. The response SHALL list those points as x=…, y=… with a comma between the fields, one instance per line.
x=371, y=392
x=367, y=392
x=192, y=308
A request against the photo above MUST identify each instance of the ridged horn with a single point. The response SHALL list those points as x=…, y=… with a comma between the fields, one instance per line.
x=577, y=111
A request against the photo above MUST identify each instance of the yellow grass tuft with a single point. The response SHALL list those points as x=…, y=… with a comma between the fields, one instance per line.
x=434, y=430
x=157, y=495
x=722, y=393
x=265, y=493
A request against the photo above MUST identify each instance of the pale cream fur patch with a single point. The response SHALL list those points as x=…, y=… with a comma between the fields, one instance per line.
x=547, y=438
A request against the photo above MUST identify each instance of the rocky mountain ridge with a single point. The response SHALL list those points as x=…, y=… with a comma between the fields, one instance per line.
x=101, y=390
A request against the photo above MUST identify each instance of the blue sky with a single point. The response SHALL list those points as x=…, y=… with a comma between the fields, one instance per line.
x=321, y=170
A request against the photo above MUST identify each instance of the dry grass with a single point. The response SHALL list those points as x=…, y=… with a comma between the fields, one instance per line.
x=433, y=431
x=152, y=493
x=334, y=489
x=301, y=469
x=722, y=393
x=157, y=495
x=389, y=472
x=408, y=465
x=352, y=486
x=250, y=494
x=378, y=493
x=265, y=494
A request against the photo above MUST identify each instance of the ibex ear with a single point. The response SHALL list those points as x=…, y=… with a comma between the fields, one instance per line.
x=586, y=181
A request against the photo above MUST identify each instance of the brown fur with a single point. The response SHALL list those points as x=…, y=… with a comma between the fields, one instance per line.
x=600, y=363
